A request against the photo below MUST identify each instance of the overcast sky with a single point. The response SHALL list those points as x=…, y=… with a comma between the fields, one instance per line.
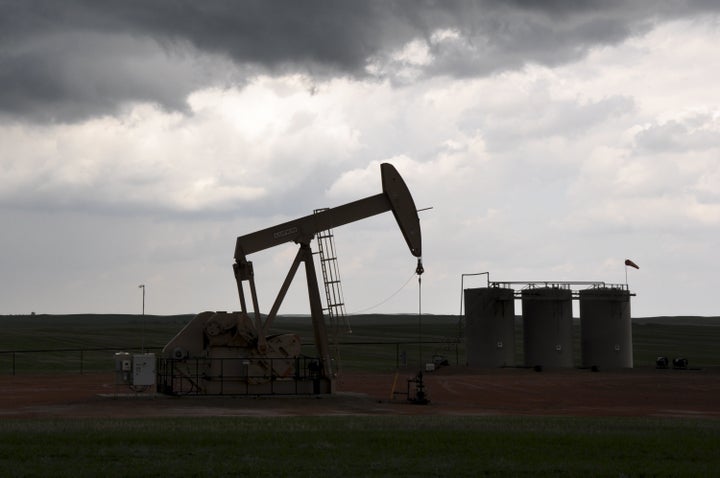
x=138, y=139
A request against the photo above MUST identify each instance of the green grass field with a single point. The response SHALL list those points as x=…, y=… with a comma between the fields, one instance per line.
x=360, y=446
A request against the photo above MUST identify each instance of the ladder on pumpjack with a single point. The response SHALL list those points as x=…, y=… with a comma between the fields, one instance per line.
x=335, y=304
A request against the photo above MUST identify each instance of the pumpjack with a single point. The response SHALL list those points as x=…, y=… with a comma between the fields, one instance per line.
x=221, y=352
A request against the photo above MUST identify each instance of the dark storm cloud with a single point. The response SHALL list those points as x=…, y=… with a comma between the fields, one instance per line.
x=72, y=59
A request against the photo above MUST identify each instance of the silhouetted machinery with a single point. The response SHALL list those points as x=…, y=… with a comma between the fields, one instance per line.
x=220, y=352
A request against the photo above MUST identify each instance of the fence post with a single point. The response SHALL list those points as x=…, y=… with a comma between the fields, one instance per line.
x=13, y=364
x=81, y=361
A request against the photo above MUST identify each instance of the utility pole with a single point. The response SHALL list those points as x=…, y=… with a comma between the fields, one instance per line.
x=142, y=319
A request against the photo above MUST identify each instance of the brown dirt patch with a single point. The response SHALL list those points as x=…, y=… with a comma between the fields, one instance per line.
x=452, y=391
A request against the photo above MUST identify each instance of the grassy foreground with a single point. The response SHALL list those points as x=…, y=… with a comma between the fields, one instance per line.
x=360, y=446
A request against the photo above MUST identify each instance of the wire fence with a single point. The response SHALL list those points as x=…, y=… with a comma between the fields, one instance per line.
x=369, y=355
x=67, y=360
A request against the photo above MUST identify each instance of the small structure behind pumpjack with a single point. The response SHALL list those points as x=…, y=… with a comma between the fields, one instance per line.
x=419, y=396
x=232, y=353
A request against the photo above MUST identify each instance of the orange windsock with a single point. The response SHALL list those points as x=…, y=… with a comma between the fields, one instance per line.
x=630, y=263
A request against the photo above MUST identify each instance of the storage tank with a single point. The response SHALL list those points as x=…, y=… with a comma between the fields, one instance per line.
x=606, y=328
x=490, y=327
x=547, y=327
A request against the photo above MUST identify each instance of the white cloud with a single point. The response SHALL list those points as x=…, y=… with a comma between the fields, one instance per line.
x=415, y=52
x=232, y=147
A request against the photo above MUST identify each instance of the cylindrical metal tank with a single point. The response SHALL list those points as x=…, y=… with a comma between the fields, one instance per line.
x=606, y=328
x=490, y=327
x=547, y=327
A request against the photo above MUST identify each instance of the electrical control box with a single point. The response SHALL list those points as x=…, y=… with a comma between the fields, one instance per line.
x=123, y=367
x=144, y=369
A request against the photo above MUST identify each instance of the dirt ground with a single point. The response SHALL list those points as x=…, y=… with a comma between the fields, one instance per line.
x=451, y=390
